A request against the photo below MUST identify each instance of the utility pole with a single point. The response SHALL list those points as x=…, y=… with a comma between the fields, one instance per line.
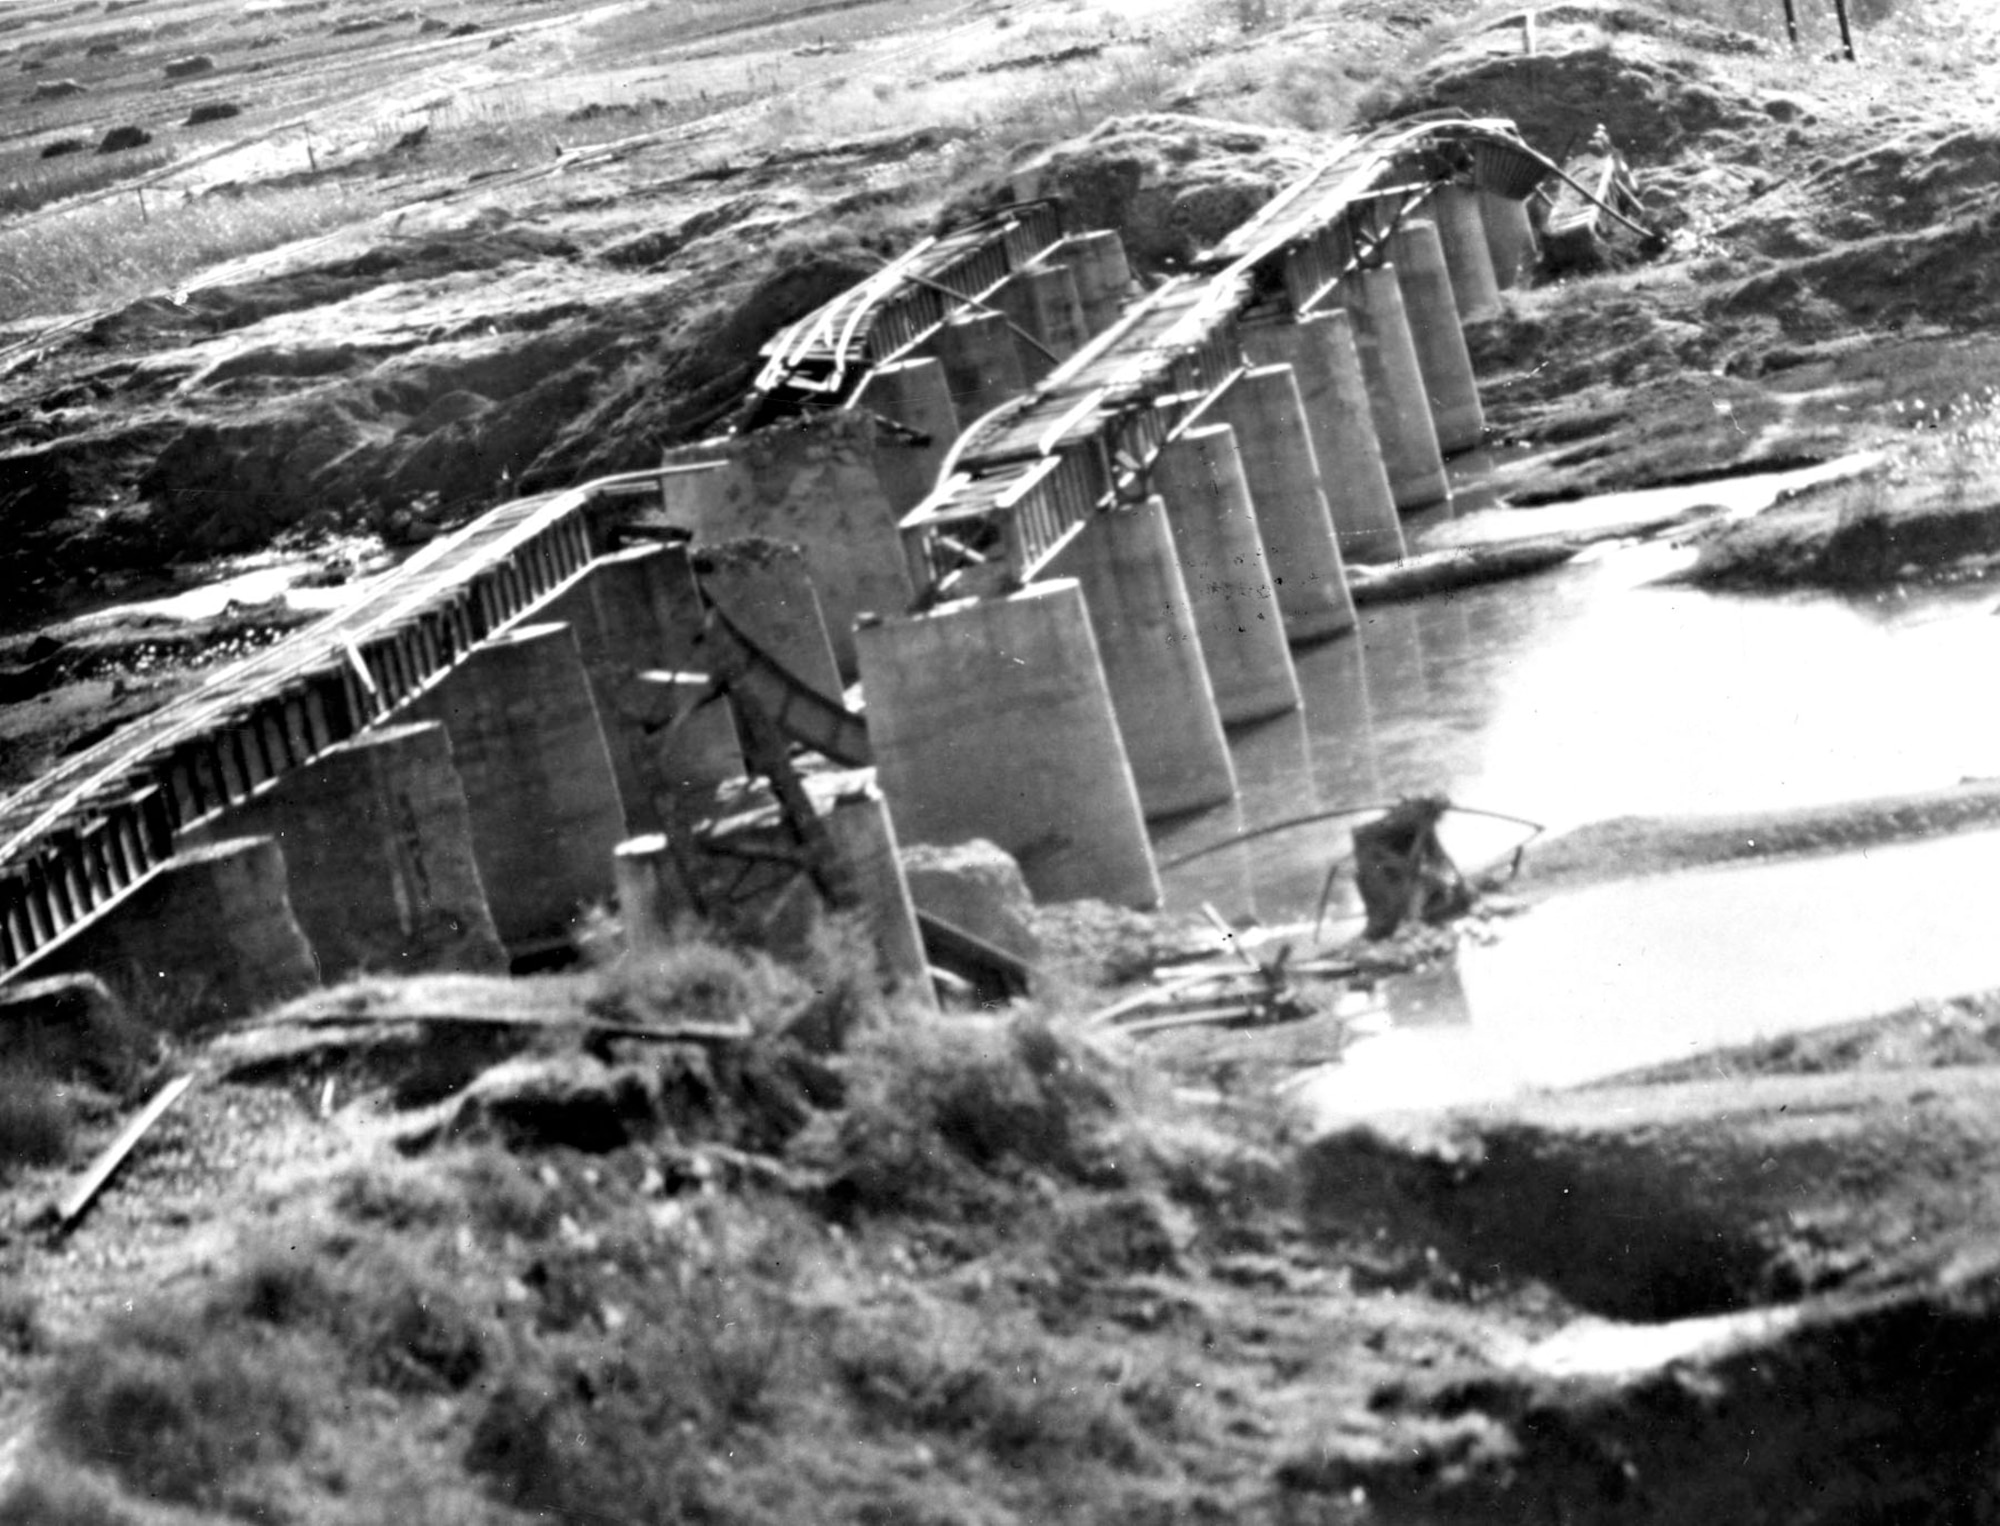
x=1846, y=37
x=1792, y=21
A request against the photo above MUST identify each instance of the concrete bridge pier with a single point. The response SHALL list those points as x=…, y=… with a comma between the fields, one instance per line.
x=635, y=611
x=835, y=484
x=1103, y=276
x=652, y=896
x=1229, y=582
x=1300, y=548
x=916, y=395
x=1510, y=238
x=1131, y=578
x=1461, y=226
x=1418, y=255
x=377, y=839
x=539, y=783
x=1326, y=368
x=765, y=587
x=864, y=838
x=1396, y=395
x=1042, y=301
x=208, y=939
x=991, y=718
x=982, y=363
x=692, y=744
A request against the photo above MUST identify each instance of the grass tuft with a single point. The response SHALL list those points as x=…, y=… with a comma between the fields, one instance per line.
x=53, y=1495
x=936, y=1114
x=697, y=981
x=178, y=1409
x=114, y=251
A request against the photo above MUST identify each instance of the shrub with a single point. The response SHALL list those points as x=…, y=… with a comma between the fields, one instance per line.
x=1014, y=1395
x=21, y=1331
x=933, y=1110
x=711, y=1338
x=402, y=1329
x=502, y=1196
x=178, y=1408
x=697, y=981
x=113, y=251
x=52, y=1496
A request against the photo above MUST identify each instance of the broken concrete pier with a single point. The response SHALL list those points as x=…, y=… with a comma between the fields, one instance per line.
x=539, y=782
x=991, y=718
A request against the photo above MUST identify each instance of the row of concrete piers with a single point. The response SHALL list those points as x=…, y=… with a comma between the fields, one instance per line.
x=564, y=760
x=1058, y=719
x=478, y=828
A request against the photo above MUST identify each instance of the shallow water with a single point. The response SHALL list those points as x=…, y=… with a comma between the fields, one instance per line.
x=1594, y=692
x=1588, y=693
x=1645, y=971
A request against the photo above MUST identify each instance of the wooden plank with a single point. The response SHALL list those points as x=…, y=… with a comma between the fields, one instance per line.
x=66, y=1210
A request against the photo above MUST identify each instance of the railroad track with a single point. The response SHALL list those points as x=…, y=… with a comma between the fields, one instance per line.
x=89, y=831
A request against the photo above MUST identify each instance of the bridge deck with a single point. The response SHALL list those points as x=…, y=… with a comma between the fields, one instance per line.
x=86, y=833
x=1020, y=484
x=821, y=358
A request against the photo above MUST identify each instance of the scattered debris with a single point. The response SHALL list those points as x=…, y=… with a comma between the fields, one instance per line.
x=1403, y=872
x=1594, y=218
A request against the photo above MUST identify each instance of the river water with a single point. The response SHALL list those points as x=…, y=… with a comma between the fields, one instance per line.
x=1596, y=691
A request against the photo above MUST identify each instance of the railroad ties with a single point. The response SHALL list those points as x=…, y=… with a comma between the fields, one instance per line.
x=100, y=823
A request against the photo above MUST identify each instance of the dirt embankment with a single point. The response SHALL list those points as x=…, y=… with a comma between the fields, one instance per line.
x=414, y=372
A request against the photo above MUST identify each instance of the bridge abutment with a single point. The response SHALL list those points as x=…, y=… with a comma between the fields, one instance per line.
x=1417, y=252
x=1401, y=409
x=377, y=838
x=1126, y=564
x=539, y=785
x=991, y=718
x=1327, y=370
x=1229, y=582
x=1263, y=406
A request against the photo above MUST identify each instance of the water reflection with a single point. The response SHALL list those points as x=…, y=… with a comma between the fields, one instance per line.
x=1659, y=969
x=1588, y=693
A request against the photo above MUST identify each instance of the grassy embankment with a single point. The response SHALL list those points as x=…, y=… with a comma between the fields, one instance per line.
x=939, y=1274
x=1930, y=512
x=797, y=76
